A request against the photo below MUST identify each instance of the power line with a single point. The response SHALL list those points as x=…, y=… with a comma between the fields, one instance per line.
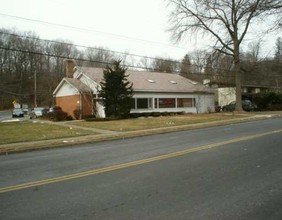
x=98, y=49
x=90, y=30
x=83, y=60
x=105, y=50
x=99, y=62
x=68, y=57
x=101, y=49
x=103, y=62
x=13, y=93
x=95, y=48
x=82, y=46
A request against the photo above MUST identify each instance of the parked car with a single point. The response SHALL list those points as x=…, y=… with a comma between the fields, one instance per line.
x=247, y=105
x=17, y=112
x=38, y=112
x=55, y=109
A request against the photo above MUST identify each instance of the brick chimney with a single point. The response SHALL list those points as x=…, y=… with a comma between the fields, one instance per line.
x=69, y=68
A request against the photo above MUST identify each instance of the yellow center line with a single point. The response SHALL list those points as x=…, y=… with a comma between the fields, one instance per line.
x=132, y=164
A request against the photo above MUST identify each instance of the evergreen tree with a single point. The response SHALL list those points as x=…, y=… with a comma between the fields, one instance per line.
x=116, y=91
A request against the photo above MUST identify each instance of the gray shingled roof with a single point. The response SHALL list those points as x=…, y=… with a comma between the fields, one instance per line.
x=78, y=85
x=153, y=81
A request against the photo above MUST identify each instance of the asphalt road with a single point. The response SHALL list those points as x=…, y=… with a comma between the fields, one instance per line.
x=7, y=116
x=225, y=172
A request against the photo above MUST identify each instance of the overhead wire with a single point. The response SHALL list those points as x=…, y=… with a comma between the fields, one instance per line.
x=105, y=50
x=90, y=30
x=98, y=49
x=81, y=46
x=67, y=57
x=94, y=48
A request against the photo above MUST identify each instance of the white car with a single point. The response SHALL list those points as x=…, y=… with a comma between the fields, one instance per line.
x=17, y=112
x=37, y=112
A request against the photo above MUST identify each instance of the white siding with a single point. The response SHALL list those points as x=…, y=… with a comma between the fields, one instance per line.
x=100, y=110
x=67, y=90
x=205, y=103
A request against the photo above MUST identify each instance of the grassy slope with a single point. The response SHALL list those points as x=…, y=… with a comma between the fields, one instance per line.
x=21, y=131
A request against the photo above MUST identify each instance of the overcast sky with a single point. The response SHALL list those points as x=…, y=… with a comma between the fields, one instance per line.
x=134, y=26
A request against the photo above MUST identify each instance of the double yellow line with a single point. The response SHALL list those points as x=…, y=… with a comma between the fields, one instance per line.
x=131, y=164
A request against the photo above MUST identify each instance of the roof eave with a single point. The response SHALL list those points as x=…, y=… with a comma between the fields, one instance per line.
x=181, y=91
x=59, y=86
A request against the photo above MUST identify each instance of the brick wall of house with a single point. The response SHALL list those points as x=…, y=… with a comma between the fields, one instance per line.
x=71, y=103
x=86, y=105
x=68, y=103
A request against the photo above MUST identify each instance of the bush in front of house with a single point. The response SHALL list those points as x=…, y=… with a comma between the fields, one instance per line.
x=77, y=113
x=58, y=115
x=156, y=114
x=135, y=115
x=102, y=119
x=268, y=101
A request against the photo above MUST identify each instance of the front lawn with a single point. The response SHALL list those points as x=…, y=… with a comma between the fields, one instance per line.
x=155, y=122
x=22, y=131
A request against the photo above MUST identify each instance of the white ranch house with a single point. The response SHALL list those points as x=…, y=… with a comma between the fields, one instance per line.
x=153, y=92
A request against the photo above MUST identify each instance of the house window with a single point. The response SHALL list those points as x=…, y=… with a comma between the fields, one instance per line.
x=141, y=103
x=133, y=104
x=166, y=103
x=156, y=103
x=185, y=102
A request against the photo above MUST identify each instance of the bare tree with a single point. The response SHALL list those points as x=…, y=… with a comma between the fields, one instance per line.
x=199, y=59
x=98, y=57
x=165, y=65
x=225, y=21
x=145, y=63
x=253, y=52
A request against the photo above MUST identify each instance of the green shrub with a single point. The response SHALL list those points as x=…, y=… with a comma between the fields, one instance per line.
x=58, y=115
x=165, y=113
x=271, y=100
x=77, y=113
x=103, y=119
x=135, y=115
x=69, y=118
x=156, y=114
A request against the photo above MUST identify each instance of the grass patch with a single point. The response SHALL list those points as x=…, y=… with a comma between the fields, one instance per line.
x=154, y=122
x=22, y=131
x=25, y=131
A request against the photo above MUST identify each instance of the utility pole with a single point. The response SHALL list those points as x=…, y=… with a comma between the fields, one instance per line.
x=35, y=88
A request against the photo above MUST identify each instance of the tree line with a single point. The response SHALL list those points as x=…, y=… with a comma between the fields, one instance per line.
x=28, y=63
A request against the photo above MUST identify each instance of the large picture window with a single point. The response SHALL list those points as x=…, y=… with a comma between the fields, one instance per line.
x=142, y=103
x=167, y=103
x=185, y=102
